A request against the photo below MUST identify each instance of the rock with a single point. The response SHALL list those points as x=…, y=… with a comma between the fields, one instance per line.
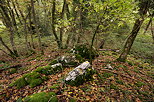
x=84, y=51
x=50, y=69
x=57, y=67
x=80, y=74
x=65, y=60
x=108, y=66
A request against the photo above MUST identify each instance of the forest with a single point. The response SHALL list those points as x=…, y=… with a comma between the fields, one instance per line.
x=76, y=51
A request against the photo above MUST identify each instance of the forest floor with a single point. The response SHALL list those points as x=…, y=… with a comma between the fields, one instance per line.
x=132, y=81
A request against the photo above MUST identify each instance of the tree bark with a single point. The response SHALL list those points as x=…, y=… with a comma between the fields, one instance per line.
x=36, y=25
x=144, y=6
x=8, y=49
x=9, y=24
x=53, y=23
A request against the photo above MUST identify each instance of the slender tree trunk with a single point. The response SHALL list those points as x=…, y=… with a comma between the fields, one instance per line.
x=144, y=6
x=14, y=6
x=61, y=29
x=152, y=32
x=53, y=24
x=31, y=32
x=36, y=25
x=9, y=24
x=148, y=25
x=8, y=49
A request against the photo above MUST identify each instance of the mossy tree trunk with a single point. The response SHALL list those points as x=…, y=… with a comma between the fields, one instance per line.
x=8, y=22
x=144, y=7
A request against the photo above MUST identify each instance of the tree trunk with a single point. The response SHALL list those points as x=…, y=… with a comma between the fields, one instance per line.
x=9, y=24
x=53, y=24
x=144, y=6
x=36, y=25
x=152, y=32
x=8, y=49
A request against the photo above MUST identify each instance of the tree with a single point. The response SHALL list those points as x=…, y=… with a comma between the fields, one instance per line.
x=9, y=23
x=144, y=6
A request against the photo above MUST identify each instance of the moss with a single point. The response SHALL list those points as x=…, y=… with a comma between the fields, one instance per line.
x=33, y=79
x=35, y=82
x=44, y=70
x=21, y=82
x=79, y=58
x=55, y=86
x=48, y=70
x=107, y=75
x=41, y=97
x=13, y=70
x=139, y=84
x=72, y=100
x=44, y=78
x=53, y=62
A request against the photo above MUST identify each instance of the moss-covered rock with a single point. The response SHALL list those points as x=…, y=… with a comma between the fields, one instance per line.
x=44, y=70
x=50, y=69
x=41, y=97
x=32, y=79
x=19, y=83
x=84, y=51
x=67, y=60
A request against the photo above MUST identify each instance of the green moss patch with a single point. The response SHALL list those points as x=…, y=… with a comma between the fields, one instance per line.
x=48, y=70
x=32, y=79
x=41, y=97
x=55, y=86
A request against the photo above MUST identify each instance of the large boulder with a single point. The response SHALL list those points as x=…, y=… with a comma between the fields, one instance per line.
x=80, y=74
